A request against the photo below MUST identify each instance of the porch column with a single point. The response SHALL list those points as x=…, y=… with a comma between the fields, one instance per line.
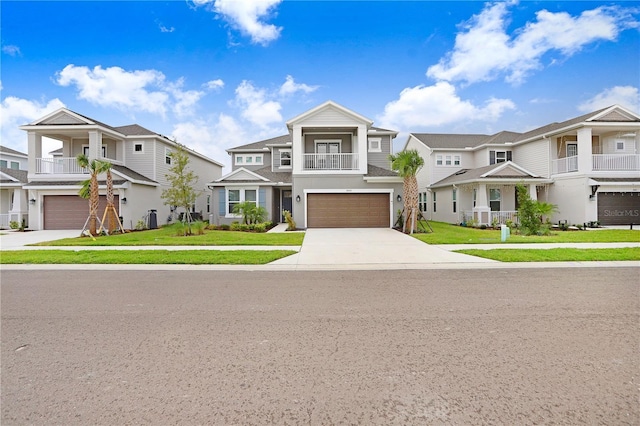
x=297, y=149
x=481, y=212
x=95, y=144
x=20, y=206
x=585, y=154
x=34, y=151
x=533, y=194
x=361, y=143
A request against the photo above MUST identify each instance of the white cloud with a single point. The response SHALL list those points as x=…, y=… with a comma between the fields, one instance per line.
x=290, y=87
x=185, y=101
x=484, y=51
x=256, y=107
x=11, y=50
x=437, y=105
x=247, y=16
x=214, y=84
x=626, y=96
x=16, y=112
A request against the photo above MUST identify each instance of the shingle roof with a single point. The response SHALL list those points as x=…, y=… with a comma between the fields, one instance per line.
x=379, y=171
x=440, y=140
x=260, y=145
x=131, y=174
x=134, y=130
x=465, y=175
x=8, y=150
x=266, y=172
x=68, y=183
x=20, y=175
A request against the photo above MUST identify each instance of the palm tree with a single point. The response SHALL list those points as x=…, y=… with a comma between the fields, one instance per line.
x=90, y=187
x=407, y=164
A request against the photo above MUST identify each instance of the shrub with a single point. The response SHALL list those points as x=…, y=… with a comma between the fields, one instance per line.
x=251, y=213
x=14, y=225
x=224, y=227
x=198, y=227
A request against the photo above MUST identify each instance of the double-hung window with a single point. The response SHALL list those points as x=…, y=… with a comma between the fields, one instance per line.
x=236, y=196
x=499, y=156
x=494, y=199
x=285, y=158
x=454, y=197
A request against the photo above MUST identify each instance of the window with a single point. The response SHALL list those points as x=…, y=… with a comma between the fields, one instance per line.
x=475, y=195
x=447, y=160
x=138, y=148
x=3, y=163
x=434, y=201
x=258, y=159
x=454, y=197
x=285, y=158
x=85, y=150
x=422, y=201
x=375, y=144
x=494, y=200
x=499, y=156
x=619, y=145
x=167, y=156
x=438, y=160
x=239, y=159
x=456, y=160
x=235, y=196
x=15, y=165
x=248, y=159
x=208, y=203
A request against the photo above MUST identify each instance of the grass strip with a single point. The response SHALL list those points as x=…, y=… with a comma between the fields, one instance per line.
x=557, y=254
x=446, y=233
x=144, y=257
x=167, y=237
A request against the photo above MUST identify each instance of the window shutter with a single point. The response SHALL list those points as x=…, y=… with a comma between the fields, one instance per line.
x=222, y=202
x=509, y=156
x=262, y=197
x=492, y=157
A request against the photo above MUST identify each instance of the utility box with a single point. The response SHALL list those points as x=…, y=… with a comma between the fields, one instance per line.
x=504, y=233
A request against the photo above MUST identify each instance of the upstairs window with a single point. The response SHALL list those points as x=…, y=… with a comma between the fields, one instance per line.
x=15, y=165
x=375, y=144
x=619, y=145
x=167, y=156
x=3, y=163
x=285, y=158
x=239, y=159
x=496, y=157
x=138, y=148
x=438, y=160
x=456, y=160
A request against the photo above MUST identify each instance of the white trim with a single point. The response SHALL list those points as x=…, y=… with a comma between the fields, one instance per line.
x=505, y=164
x=241, y=169
x=167, y=155
x=326, y=141
x=141, y=143
x=245, y=157
x=241, y=196
x=369, y=145
x=290, y=151
x=389, y=191
x=327, y=105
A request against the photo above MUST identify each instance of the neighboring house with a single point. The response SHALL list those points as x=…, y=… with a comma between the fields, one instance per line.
x=13, y=175
x=330, y=170
x=140, y=161
x=588, y=166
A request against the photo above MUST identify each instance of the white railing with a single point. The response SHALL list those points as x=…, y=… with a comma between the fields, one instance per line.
x=64, y=165
x=348, y=161
x=4, y=221
x=7, y=218
x=564, y=165
x=497, y=218
x=616, y=162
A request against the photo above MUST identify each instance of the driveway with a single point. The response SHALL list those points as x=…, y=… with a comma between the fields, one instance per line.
x=15, y=240
x=369, y=246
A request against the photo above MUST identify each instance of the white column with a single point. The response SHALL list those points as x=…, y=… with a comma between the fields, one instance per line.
x=34, y=150
x=481, y=212
x=297, y=149
x=533, y=194
x=585, y=152
x=361, y=143
x=95, y=144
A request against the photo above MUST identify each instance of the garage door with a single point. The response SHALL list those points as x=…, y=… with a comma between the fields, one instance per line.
x=70, y=211
x=348, y=210
x=618, y=208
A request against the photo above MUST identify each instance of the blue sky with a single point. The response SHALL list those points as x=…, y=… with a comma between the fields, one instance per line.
x=221, y=73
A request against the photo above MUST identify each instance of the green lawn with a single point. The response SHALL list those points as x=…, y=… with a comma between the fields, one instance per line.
x=150, y=257
x=166, y=237
x=556, y=254
x=445, y=233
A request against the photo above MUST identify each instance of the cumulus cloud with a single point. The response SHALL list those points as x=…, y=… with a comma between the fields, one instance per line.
x=11, y=50
x=437, y=105
x=484, y=51
x=256, y=106
x=15, y=112
x=626, y=96
x=214, y=84
x=290, y=87
x=248, y=17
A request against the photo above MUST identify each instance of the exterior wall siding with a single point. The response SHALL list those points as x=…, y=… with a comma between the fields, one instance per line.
x=141, y=162
x=381, y=159
x=309, y=142
x=534, y=157
x=218, y=215
x=266, y=160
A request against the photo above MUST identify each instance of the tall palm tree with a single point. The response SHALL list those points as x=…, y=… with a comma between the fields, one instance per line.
x=408, y=163
x=90, y=187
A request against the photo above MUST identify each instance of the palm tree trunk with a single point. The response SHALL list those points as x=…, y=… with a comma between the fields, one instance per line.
x=94, y=199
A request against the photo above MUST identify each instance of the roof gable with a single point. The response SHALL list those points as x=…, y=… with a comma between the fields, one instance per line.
x=329, y=114
x=10, y=151
x=615, y=113
x=63, y=116
x=242, y=174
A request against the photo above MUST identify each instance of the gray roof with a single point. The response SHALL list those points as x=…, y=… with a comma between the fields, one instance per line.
x=20, y=175
x=441, y=140
x=68, y=183
x=134, y=130
x=379, y=171
x=466, y=175
x=265, y=172
x=131, y=174
x=616, y=180
x=260, y=145
x=8, y=150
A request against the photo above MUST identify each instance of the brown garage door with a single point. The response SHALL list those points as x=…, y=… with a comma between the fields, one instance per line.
x=618, y=208
x=348, y=210
x=70, y=211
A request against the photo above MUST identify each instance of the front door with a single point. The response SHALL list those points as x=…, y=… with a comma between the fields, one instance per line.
x=286, y=202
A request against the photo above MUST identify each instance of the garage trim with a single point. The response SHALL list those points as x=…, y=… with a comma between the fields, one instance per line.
x=389, y=191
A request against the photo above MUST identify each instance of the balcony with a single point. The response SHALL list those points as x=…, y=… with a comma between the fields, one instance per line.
x=564, y=165
x=616, y=162
x=342, y=161
x=64, y=165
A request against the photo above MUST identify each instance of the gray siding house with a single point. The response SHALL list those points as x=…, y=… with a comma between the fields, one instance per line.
x=331, y=170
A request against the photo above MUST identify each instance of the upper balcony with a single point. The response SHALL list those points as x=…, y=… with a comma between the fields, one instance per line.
x=331, y=162
x=65, y=166
x=599, y=162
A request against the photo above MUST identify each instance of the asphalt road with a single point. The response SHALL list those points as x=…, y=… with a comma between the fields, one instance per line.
x=530, y=346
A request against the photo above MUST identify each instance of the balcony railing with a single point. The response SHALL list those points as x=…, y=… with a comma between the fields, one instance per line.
x=616, y=162
x=564, y=165
x=495, y=217
x=64, y=165
x=342, y=161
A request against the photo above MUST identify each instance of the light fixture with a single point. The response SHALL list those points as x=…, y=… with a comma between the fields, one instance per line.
x=297, y=198
x=32, y=201
x=124, y=200
x=399, y=198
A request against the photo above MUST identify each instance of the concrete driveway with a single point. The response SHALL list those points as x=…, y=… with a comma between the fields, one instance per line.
x=15, y=240
x=369, y=246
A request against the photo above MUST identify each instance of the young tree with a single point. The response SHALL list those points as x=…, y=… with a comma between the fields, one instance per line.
x=530, y=212
x=90, y=187
x=181, y=192
x=408, y=164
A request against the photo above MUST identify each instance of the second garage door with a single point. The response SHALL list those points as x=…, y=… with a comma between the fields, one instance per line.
x=348, y=210
x=70, y=211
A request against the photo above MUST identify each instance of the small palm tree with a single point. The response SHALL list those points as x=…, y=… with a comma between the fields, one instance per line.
x=408, y=163
x=250, y=212
x=90, y=187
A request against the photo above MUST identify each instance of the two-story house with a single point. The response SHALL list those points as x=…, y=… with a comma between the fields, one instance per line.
x=140, y=160
x=588, y=166
x=13, y=175
x=331, y=170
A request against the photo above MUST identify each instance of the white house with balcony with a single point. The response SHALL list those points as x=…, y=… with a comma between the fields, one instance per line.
x=140, y=160
x=588, y=166
x=330, y=170
x=13, y=198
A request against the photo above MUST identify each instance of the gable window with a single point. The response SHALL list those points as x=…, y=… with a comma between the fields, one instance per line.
x=439, y=160
x=138, y=148
x=454, y=197
x=239, y=195
x=496, y=157
x=434, y=201
x=285, y=158
x=494, y=200
x=375, y=144
x=167, y=156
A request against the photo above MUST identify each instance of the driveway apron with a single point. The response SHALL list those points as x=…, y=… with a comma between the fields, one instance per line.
x=369, y=246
